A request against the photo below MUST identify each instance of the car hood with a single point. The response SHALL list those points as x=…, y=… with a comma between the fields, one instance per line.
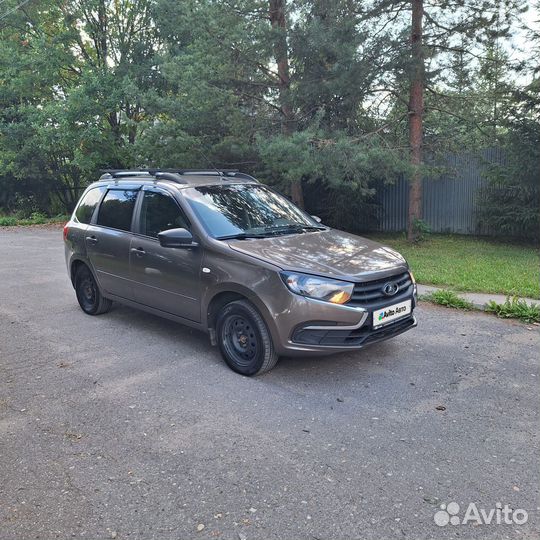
x=330, y=252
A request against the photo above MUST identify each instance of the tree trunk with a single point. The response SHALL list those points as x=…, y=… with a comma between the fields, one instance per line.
x=416, y=112
x=278, y=20
x=102, y=31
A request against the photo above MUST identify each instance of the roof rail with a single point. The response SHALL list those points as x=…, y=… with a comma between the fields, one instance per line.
x=226, y=173
x=166, y=174
x=237, y=174
x=209, y=172
x=175, y=174
x=117, y=173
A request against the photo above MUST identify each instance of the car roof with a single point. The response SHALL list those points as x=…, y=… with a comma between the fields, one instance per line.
x=180, y=178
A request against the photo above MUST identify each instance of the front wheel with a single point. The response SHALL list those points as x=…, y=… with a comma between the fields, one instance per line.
x=244, y=339
x=89, y=296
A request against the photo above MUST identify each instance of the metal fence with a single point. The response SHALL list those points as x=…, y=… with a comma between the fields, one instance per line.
x=450, y=201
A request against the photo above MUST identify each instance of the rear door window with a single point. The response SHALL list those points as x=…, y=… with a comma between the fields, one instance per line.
x=88, y=204
x=116, y=210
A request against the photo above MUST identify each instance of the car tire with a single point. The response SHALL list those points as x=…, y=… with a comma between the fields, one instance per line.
x=89, y=296
x=244, y=339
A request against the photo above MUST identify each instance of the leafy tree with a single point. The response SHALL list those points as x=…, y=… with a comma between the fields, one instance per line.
x=321, y=98
x=339, y=139
x=75, y=78
x=511, y=203
x=213, y=99
x=438, y=28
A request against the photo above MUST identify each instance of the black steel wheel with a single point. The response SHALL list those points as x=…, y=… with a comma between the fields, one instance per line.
x=89, y=296
x=244, y=339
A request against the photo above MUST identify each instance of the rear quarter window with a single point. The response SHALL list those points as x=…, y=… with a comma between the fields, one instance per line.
x=87, y=205
x=116, y=210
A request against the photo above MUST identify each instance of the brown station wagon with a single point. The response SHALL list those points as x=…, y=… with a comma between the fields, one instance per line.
x=220, y=252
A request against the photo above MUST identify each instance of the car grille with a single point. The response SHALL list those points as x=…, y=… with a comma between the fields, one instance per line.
x=370, y=294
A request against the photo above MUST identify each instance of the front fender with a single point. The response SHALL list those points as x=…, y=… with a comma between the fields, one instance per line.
x=242, y=290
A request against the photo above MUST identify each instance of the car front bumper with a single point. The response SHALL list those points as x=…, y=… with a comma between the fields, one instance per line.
x=316, y=341
x=328, y=328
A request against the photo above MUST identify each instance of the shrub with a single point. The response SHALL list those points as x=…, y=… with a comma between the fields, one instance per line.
x=421, y=229
x=38, y=218
x=511, y=210
x=448, y=298
x=7, y=221
x=515, y=308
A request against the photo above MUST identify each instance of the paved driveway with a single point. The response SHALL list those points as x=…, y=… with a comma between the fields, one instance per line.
x=129, y=426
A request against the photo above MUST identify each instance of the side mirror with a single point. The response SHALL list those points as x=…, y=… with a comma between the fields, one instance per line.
x=176, y=238
x=316, y=218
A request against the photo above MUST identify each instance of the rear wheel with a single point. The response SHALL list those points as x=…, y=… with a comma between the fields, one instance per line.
x=244, y=339
x=89, y=296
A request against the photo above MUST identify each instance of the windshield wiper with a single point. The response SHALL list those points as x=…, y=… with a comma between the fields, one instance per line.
x=242, y=236
x=313, y=227
x=294, y=228
x=273, y=231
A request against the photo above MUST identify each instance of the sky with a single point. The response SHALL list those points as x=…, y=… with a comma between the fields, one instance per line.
x=520, y=46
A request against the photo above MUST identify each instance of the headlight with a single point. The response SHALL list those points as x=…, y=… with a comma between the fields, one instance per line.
x=415, y=287
x=331, y=290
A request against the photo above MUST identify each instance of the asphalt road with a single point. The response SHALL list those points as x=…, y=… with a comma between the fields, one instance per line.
x=129, y=426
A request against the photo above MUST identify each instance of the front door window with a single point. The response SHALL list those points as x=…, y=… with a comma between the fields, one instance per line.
x=160, y=213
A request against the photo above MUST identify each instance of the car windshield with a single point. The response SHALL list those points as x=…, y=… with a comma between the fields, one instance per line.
x=246, y=211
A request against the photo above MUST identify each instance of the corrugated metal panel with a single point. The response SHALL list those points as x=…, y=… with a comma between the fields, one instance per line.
x=449, y=201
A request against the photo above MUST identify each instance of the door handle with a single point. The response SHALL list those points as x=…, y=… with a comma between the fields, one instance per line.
x=92, y=239
x=139, y=251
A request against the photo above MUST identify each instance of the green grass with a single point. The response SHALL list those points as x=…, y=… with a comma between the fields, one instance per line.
x=7, y=221
x=35, y=219
x=515, y=309
x=448, y=298
x=466, y=263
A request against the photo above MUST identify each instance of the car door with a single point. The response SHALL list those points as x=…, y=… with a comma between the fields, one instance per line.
x=167, y=279
x=108, y=240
